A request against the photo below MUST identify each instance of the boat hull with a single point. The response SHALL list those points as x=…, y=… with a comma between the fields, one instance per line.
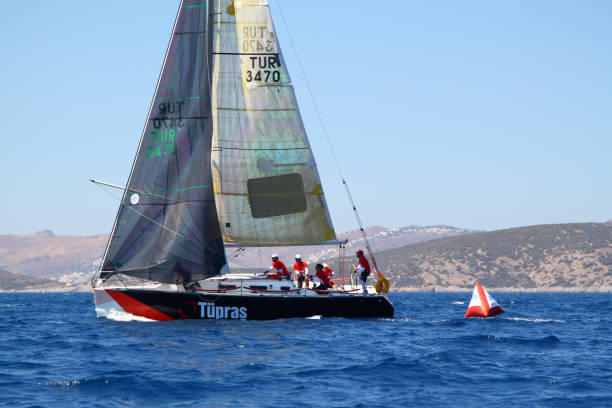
x=160, y=305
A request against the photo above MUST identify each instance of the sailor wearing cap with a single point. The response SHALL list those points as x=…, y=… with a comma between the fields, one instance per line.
x=363, y=270
x=279, y=269
x=328, y=271
x=301, y=271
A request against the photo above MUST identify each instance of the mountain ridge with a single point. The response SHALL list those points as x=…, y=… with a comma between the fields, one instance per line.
x=548, y=257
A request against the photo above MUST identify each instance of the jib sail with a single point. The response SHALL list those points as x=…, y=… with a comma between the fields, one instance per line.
x=267, y=187
x=167, y=227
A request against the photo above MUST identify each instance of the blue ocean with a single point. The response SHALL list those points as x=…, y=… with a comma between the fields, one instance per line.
x=546, y=350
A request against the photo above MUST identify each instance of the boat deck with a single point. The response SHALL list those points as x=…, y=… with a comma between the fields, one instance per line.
x=254, y=285
x=260, y=285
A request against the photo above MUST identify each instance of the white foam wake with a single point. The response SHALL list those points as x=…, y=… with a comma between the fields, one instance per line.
x=120, y=315
x=535, y=320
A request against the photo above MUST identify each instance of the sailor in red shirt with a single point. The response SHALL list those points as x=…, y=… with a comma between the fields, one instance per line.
x=329, y=271
x=280, y=269
x=301, y=271
x=323, y=278
x=363, y=270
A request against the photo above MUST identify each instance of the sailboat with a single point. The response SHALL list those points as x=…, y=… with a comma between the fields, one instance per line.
x=223, y=161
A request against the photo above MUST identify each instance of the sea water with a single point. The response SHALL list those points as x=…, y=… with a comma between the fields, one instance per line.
x=546, y=350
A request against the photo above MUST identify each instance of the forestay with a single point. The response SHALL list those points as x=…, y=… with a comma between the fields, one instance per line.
x=167, y=227
x=267, y=187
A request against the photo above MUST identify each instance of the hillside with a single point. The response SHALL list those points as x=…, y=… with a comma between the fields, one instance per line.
x=10, y=281
x=558, y=257
x=541, y=257
x=73, y=259
x=380, y=239
x=69, y=259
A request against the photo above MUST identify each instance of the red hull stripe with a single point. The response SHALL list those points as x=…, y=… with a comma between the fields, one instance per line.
x=133, y=306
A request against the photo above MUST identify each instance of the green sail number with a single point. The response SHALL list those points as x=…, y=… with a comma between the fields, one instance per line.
x=163, y=143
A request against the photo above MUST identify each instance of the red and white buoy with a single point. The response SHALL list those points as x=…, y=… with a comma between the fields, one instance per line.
x=482, y=304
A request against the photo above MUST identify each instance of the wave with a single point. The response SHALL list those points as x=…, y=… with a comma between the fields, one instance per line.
x=396, y=319
x=120, y=316
x=547, y=341
x=77, y=382
x=535, y=320
x=252, y=367
x=458, y=302
x=390, y=365
x=455, y=322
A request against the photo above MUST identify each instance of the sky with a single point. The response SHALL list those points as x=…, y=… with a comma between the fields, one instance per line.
x=476, y=114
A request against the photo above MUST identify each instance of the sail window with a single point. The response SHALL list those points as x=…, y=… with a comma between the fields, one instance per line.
x=276, y=195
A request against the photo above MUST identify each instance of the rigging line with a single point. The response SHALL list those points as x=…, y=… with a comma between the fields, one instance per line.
x=215, y=48
x=100, y=183
x=244, y=169
x=211, y=44
x=156, y=193
x=164, y=209
x=238, y=252
x=92, y=281
x=216, y=148
x=327, y=138
x=144, y=216
x=309, y=89
x=121, y=280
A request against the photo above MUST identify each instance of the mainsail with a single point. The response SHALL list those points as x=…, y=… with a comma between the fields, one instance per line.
x=267, y=187
x=167, y=227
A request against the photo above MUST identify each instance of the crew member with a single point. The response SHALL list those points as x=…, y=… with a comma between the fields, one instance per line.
x=279, y=268
x=323, y=278
x=301, y=271
x=363, y=270
x=329, y=271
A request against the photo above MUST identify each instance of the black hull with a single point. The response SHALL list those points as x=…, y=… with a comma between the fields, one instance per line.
x=171, y=306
